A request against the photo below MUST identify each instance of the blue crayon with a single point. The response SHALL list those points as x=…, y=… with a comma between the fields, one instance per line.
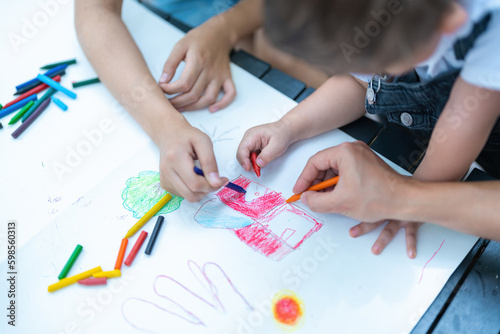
x=59, y=103
x=54, y=84
x=154, y=235
x=48, y=73
x=17, y=106
x=230, y=185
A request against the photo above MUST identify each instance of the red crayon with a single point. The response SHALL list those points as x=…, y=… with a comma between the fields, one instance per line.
x=121, y=253
x=35, y=90
x=256, y=168
x=93, y=281
x=135, y=249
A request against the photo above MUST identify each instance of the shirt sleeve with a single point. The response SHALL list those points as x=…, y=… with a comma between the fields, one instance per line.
x=482, y=63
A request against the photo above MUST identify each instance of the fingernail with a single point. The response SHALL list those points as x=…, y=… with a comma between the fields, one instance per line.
x=214, y=109
x=163, y=78
x=354, y=232
x=214, y=178
x=411, y=254
x=376, y=250
x=260, y=162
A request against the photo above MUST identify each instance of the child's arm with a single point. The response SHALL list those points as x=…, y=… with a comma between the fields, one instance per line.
x=459, y=136
x=339, y=101
x=121, y=67
x=205, y=50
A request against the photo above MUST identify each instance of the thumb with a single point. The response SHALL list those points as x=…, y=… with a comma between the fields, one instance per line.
x=269, y=153
x=205, y=153
x=173, y=61
x=321, y=202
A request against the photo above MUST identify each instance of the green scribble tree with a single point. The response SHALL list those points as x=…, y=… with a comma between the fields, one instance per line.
x=143, y=192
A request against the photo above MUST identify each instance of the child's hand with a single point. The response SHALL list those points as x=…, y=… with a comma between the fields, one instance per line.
x=179, y=147
x=271, y=140
x=388, y=234
x=206, y=52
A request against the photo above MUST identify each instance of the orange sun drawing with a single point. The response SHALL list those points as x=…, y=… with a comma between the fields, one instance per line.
x=288, y=309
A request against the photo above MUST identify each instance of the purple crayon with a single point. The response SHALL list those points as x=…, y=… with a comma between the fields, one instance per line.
x=31, y=118
x=94, y=281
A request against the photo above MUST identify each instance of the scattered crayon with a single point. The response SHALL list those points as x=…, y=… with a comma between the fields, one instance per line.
x=154, y=235
x=44, y=97
x=108, y=274
x=1, y=126
x=256, y=168
x=60, y=103
x=1, y=107
x=16, y=106
x=73, y=279
x=135, y=249
x=121, y=253
x=21, y=112
x=230, y=185
x=65, y=62
x=35, y=80
x=157, y=207
x=85, y=82
x=45, y=79
x=38, y=83
x=31, y=119
x=94, y=281
x=41, y=87
x=70, y=262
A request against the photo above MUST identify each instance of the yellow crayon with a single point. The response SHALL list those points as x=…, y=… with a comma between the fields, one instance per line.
x=157, y=207
x=73, y=279
x=108, y=274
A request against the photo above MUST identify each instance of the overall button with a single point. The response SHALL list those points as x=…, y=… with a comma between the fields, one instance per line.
x=406, y=119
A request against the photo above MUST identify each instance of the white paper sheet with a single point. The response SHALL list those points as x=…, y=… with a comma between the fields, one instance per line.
x=342, y=286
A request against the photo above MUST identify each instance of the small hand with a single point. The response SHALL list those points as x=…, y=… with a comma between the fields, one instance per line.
x=271, y=140
x=206, y=52
x=388, y=233
x=179, y=148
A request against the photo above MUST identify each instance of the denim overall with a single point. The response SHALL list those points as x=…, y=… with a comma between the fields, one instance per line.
x=417, y=105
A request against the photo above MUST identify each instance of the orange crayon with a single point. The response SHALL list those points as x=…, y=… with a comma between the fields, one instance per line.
x=121, y=253
x=316, y=187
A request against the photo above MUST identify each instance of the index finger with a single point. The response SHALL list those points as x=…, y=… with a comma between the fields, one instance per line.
x=187, y=80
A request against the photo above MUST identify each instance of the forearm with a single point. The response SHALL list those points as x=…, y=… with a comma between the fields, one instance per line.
x=240, y=20
x=339, y=101
x=470, y=208
x=121, y=66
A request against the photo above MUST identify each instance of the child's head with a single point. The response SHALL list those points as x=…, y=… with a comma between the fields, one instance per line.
x=365, y=36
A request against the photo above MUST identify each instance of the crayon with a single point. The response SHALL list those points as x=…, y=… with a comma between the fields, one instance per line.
x=70, y=262
x=21, y=112
x=108, y=274
x=1, y=126
x=157, y=207
x=16, y=106
x=93, y=281
x=44, y=97
x=36, y=84
x=121, y=253
x=73, y=279
x=31, y=119
x=256, y=168
x=154, y=235
x=136, y=248
x=60, y=103
x=35, y=80
x=56, y=85
x=230, y=185
x=85, y=82
x=316, y=187
x=65, y=62
x=36, y=90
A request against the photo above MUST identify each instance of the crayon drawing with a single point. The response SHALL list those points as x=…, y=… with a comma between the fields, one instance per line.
x=428, y=261
x=288, y=310
x=143, y=192
x=171, y=306
x=261, y=219
x=224, y=136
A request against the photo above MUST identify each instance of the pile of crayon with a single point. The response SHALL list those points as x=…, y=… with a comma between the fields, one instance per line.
x=27, y=102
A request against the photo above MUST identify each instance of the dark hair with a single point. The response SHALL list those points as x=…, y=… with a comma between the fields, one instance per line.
x=352, y=35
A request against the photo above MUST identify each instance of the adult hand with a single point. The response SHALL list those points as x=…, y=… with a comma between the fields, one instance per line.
x=179, y=148
x=206, y=52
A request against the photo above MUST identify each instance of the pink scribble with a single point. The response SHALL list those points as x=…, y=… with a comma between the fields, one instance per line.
x=425, y=265
x=188, y=315
x=254, y=209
